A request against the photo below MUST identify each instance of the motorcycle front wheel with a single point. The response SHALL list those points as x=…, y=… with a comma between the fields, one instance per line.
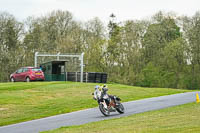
x=120, y=108
x=103, y=110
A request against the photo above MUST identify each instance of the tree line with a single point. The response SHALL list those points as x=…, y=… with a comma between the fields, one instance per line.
x=162, y=51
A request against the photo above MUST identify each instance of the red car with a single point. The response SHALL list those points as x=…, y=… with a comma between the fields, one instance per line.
x=27, y=74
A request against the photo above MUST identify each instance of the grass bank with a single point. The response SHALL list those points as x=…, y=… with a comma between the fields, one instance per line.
x=27, y=101
x=178, y=119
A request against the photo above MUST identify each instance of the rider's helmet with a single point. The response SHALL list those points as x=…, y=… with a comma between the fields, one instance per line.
x=105, y=88
x=96, y=87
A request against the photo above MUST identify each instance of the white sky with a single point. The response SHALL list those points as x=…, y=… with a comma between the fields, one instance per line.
x=87, y=9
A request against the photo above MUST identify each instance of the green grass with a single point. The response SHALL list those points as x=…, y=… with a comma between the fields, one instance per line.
x=178, y=119
x=27, y=101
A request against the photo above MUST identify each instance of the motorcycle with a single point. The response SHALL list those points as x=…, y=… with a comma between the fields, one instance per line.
x=108, y=103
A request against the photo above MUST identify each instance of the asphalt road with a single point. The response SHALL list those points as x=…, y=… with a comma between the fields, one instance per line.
x=91, y=115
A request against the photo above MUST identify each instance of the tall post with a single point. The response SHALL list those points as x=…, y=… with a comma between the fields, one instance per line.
x=81, y=58
x=36, y=53
x=58, y=56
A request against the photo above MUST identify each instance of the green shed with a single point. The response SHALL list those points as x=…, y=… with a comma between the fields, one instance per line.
x=54, y=70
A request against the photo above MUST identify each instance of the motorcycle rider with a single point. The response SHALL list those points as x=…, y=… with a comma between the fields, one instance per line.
x=97, y=93
x=107, y=103
x=104, y=93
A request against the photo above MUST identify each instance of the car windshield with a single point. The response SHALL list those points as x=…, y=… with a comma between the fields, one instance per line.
x=36, y=69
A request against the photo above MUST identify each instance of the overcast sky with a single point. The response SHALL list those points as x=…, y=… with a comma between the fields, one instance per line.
x=87, y=9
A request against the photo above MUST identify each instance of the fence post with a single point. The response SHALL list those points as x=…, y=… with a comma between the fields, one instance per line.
x=76, y=76
x=65, y=76
x=86, y=77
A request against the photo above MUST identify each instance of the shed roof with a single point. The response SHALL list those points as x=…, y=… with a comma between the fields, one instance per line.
x=55, y=62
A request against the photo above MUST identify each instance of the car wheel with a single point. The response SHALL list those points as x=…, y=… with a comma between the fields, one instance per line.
x=28, y=79
x=12, y=79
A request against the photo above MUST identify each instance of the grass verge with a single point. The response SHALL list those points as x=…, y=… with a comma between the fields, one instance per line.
x=178, y=119
x=27, y=101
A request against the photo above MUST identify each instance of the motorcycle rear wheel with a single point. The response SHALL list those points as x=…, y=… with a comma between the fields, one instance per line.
x=120, y=108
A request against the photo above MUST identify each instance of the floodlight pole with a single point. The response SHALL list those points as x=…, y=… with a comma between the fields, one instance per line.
x=58, y=56
x=81, y=58
x=36, y=53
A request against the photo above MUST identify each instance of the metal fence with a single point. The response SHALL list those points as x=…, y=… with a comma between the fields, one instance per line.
x=92, y=77
x=55, y=77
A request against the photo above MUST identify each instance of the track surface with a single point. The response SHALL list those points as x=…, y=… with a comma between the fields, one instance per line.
x=93, y=114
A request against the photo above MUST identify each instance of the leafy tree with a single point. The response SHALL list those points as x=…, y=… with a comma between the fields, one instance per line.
x=132, y=34
x=157, y=36
x=94, y=43
x=114, y=50
x=175, y=62
x=10, y=45
x=191, y=27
